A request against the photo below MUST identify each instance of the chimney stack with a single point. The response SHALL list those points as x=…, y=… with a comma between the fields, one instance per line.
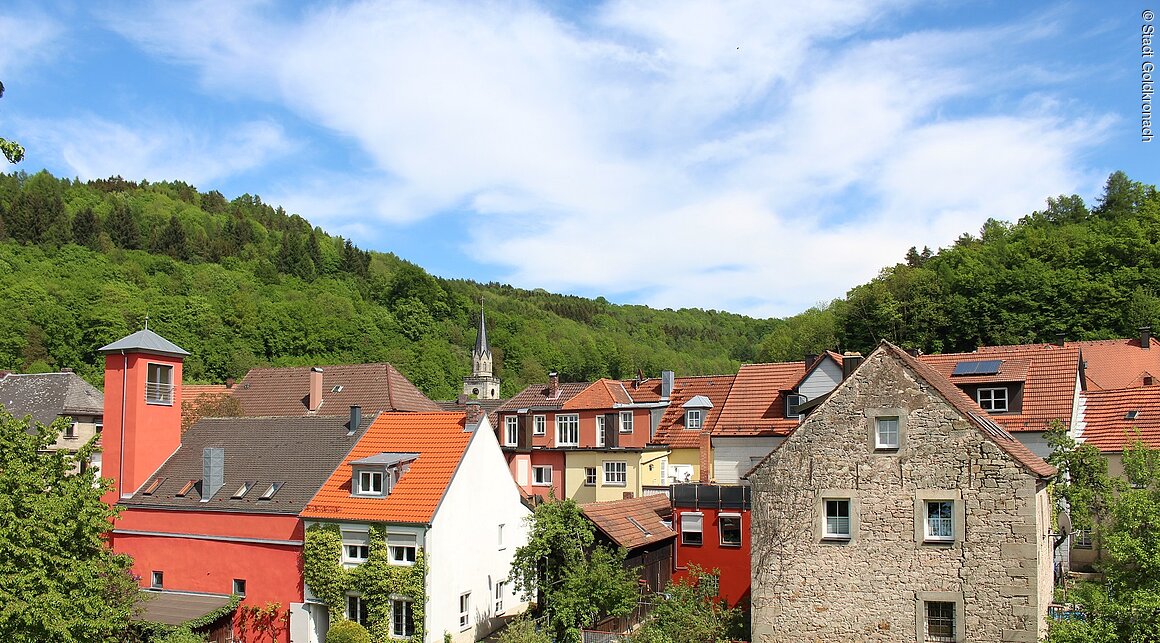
x=850, y=361
x=474, y=415
x=66, y=370
x=230, y=382
x=668, y=380
x=315, y=398
x=553, y=384
x=355, y=418
x=213, y=471
x=810, y=359
x=1060, y=339
x=1145, y=337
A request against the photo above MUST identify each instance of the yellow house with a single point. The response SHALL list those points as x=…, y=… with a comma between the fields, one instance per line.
x=598, y=475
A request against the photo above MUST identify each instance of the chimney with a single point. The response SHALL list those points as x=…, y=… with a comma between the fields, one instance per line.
x=553, y=384
x=355, y=418
x=1145, y=337
x=230, y=382
x=850, y=361
x=315, y=399
x=705, y=457
x=810, y=359
x=474, y=415
x=213, y=471
x=1060, y=339
x=668, y=378
x=66, y=370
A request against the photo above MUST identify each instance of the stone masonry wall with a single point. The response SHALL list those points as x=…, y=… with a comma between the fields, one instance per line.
x=869, y=589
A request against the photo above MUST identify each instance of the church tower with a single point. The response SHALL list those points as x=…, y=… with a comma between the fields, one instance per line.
x=482, y=384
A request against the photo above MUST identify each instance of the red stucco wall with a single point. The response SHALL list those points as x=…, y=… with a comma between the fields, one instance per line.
x=732, y=561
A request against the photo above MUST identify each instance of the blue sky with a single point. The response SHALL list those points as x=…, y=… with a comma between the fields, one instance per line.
x=757, y=157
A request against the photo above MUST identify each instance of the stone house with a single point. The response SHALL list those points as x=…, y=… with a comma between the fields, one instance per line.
x=898, y=511
x=48, y=396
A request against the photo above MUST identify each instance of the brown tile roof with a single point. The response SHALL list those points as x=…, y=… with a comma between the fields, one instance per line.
x=489, y=406
x=374, y=387
x=175, y=608
x=440, y=441
x=536, y=396
x=615, y=519
x=671, y=430
x=1106, y=423
x=1049, y=379
x=300, y=452
x=195, y=398
x=756, y=402
x=1118, y=363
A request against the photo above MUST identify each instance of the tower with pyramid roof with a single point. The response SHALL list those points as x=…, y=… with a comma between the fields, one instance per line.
x=482, y=384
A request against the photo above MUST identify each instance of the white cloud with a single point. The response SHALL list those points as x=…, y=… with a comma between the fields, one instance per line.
x=750, y=156
x=26, y=39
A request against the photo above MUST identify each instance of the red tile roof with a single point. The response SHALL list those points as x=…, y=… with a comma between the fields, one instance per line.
x=644, y=391
x=1118, y=363
x=440, y=441
x=374, y=387
x=1106, y=423
x=601, y=394
x=756, y=404
x=613, y=519
x=1048, y=372
x=671, y=430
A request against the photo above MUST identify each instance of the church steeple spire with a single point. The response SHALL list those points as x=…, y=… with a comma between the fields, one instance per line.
x=481, y=346
x=482, y=383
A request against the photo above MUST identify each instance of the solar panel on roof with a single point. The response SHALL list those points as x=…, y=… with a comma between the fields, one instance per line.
x=983, y=367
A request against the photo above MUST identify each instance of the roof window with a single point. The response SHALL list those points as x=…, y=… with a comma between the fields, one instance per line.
x=185, y=489
x=337, y=388
x=152, y=486
x=1132, y=415
x=273, y=489
x=242, y=491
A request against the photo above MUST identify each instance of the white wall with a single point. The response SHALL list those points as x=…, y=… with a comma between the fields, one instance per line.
x=822, y=380
x=463, y=548
x=733, y=457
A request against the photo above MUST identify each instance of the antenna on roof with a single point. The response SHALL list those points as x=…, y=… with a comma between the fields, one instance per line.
x=146, y=322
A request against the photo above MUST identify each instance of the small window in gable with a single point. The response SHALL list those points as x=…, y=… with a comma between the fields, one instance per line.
x=792, y=401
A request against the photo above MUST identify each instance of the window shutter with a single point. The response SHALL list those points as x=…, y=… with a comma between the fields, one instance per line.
x=611, y=430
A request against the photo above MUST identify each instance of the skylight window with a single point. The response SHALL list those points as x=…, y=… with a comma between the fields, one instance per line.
x=186, y=489
x=337, y=388
x=152, y=486
x=984, y=367
x=242, y=490
x=639, y=526
x=269, y=493
x=1132, y=415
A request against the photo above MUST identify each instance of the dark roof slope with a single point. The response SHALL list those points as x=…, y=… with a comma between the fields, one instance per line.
x=536, y=396
x=615, y=519
x=45, y=396
x=285, y=391
x=299, y=452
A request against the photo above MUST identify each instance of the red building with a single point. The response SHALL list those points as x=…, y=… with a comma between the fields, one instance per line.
x=712, y=523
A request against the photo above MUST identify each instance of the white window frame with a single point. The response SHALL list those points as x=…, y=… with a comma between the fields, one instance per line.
x=721, y=518
x=360, y=614
x=511, y=430
x=692, y=522
x=882, y=438
x=499, y=589
x=590, y=476
x=693, y=419
x=539, y=425
x=991, y=400
x=407, y=606
x=626, y=422
x=569, y=422
x=502, y=544
x=464, y=611
x=544, y=481
x=601, y=432
x=615, y=473
x=365, y=486
x=157, y=579
x=792, y=400
x=832, y=525
x=158, y=389
x=403, y=548
x=360, y=541
x=940, y=528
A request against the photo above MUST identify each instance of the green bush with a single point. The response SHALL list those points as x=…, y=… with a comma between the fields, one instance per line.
x=182, y=635
x=348, y=632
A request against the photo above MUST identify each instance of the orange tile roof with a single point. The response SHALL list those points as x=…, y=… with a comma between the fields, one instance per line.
x=1105, y=415
x=1049, y=374
x=1118, y=363
x=374, y=387
x=755, y=404
x=671, y=430
x=440, y=441
x=601, y=394
x=612, y=518
x=644, y=391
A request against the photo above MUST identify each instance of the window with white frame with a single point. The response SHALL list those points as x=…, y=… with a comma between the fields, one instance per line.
x=886, y=432
x=992, y=399
x=541, y=475
x=792, y=401
x=511, y=430
x=499, y=590
x=589, y=476
x=692, y=418
x=600, y=435
x=939, y=621
x=730, y=528
x=159, y=384
x=539, y=425
x=355, y=547
x=616, y=473
x=692, y=528
x=567, y=430
x=626, y=421
x=837, y=518
x=940, y=520
x=368, y=483
x=1083, y=539
x=402, y=617
x=464, y=610
x=356, y=609
x=402, y=548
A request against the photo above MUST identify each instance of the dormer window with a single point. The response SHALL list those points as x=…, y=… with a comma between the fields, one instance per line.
x=370, y=483
x=693, y=418
x=378, y=474
x=992, y=400
x=792, y=401
x=695, y=410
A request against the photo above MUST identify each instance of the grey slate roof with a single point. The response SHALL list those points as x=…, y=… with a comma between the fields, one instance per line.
x=145, y=341
x=45, y=396
x=175, y=608
x=386, y=459
x=300, y=452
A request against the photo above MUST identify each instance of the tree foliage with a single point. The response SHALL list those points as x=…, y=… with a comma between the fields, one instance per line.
x=59, y=580
x=574, y=580
x=11, y=150
x=688, y=612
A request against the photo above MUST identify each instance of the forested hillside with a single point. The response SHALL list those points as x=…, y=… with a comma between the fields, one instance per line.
x=241, y=283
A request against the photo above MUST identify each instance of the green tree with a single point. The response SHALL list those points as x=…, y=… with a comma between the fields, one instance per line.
x=12, y=150
x=172, y=240
x=122, y=226
x=574, y=580
x=59, y=580
x=688, y=612
x=86, y=228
